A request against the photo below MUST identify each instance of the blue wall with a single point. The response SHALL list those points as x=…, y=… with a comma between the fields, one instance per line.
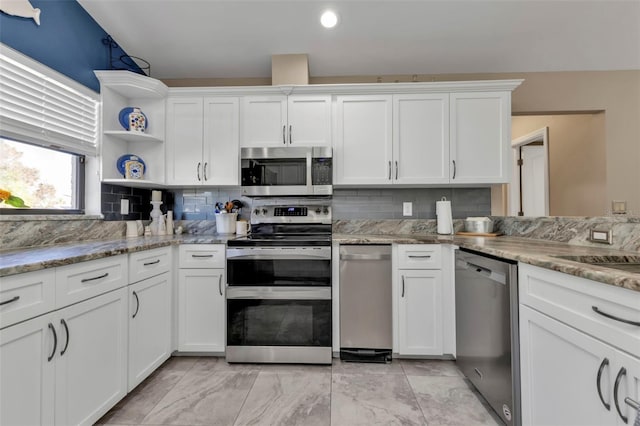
x=68, y=40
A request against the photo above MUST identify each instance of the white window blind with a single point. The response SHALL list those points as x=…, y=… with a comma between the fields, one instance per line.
x=40, y=106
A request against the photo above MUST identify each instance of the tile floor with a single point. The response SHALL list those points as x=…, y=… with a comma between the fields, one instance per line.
x=189, y=391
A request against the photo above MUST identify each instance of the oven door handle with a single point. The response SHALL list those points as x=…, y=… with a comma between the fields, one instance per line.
x=279, y=293
x=278, y=256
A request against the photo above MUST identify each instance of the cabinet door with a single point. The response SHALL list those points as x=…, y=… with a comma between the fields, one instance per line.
x=184, y=141
x=480, y=137
x=309, y=120
x=421, y=138
x=628, y=387
x=420, y=312
x=91, y=362
x=264, y=121
x=201, y=310
x=149, y=327
x=559, y=371
x=221, y=151
x=26, y=373
x=363, y=140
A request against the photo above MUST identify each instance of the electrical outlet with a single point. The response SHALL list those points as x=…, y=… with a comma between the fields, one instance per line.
x=407, y=208
x=600, y=236
x=124, y=206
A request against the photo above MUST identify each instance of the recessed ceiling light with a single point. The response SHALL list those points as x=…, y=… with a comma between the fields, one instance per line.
x=329, y=19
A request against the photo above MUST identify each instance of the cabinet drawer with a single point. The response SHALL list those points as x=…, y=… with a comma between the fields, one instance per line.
x=149, y=263
x=83, y=280
x=201, y=256
x=419, y=256
x=27, y=295
x=572, y=299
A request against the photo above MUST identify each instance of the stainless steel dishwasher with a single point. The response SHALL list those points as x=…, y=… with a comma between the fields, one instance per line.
x=365, y=303
x=487, y=335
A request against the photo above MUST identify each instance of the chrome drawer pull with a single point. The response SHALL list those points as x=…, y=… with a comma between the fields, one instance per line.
x=603, y=364
x=411, y=256
x=201, y=255
x=84, y=280
x=613, y=317
x=13, y=299
x=152, y=263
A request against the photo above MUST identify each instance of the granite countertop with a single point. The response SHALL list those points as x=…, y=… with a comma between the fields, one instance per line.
x=534, y=252
x=531, y=251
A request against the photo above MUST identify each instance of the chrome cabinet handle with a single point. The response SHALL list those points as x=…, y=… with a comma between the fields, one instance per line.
x=84, y=280
x=13, y=299
x=621, y=374
x=205, y=171
x=454, y=169
x=220, y=284
x=137, y=304
x=478, y=372
x=603, y=364
x=152, y=263
x=201, y=255
x=55, y=342
x=396, y=170
x=198, y=169
x=613, y=317
x=402, y=286
x=66, y=329
x=389, y=170
x=413, y=256
x=284, y=135
x=290, y=134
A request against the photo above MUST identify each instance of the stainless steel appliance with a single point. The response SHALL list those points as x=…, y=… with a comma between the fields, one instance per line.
x=365, y=303
x=286, y=171
x=487, y=335
x=279, y=286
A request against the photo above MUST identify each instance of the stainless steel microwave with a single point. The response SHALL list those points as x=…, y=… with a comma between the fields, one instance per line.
x=286, y=171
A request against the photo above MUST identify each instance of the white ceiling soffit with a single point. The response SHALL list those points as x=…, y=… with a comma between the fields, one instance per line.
x=218, y=39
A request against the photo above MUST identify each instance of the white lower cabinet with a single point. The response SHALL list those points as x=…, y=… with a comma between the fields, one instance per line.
x=420, y=312
x=27, y=372
x=149, y=326
x=91, y=358
x=201, y=310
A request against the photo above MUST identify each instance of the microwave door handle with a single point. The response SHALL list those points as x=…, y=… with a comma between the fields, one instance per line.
x=309, y=172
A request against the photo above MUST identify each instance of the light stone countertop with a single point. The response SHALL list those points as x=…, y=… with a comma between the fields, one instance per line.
x=535, y=252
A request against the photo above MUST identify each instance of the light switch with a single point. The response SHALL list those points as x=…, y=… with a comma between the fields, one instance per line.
x=407, y=208
x=124, y=206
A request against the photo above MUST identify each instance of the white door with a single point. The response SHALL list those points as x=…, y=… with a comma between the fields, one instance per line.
x=201, y=310
x=27, y=372
x=629, y=387
x=480, y=126
x=184, y=141
x=91, y=363
x=264, y=121
x=363, y=150
x=420, y=312
x=559, y=374
x=533, y=181
x=149, y=327
x=309, y=119
x=421, y=138
x=221, y=152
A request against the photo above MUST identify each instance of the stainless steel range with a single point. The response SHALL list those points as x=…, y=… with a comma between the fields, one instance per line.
x=279, y=285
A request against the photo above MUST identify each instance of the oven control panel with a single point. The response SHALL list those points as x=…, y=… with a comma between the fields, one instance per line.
x=290, y=211
x=320, y=213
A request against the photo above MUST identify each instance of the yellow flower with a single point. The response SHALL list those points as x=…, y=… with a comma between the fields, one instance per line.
x=4, y=195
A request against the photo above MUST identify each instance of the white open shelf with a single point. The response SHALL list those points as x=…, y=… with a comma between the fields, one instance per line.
x=134, y=183
x=129, y=136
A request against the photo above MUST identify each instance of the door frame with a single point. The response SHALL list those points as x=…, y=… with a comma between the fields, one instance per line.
x=540, y=135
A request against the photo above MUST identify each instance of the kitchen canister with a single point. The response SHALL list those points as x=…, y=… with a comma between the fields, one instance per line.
x=226, y=223
x=444, y=217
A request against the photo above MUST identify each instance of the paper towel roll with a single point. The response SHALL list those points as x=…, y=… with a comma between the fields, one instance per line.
x=443, y=214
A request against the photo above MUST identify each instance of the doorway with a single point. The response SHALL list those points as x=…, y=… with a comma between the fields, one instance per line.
x=529, y=186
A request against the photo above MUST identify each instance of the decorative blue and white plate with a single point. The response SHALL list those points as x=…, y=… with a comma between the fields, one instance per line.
x=132, y=118
x=122, y=161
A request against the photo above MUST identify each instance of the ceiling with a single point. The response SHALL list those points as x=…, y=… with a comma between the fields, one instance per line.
x=224, y=39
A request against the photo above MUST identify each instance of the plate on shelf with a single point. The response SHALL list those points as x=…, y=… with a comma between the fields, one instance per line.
x=121, y=164
x=123, y=118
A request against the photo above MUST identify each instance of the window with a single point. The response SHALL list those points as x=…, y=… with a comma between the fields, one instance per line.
x=48, y=123
x=34, y=179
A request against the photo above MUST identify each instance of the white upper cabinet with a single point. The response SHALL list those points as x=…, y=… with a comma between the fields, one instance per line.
x=363, y=152
x=203, y=141
x=480, y=137
x=279, y=120
x=421, y=138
